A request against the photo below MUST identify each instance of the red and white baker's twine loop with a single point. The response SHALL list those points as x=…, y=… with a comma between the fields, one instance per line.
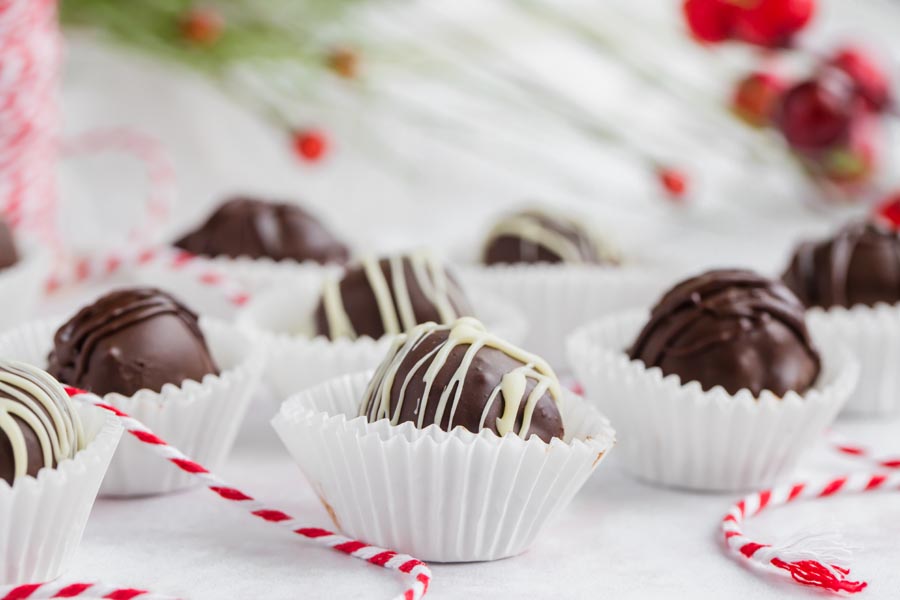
x=150, y=153
x=812, y=561
x=388, y=559
x=99, y=267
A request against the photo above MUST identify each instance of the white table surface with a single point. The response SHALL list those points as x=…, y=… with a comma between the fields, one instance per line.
x=620, y=539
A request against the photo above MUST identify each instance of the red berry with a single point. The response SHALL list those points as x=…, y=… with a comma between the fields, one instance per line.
x=310, y=144
x=772, y=23
x=202, y=26
x=870, y=80
x=816, y=114
x=755, y=98
x=674, y=181
x=710, y=21
x=888, y=212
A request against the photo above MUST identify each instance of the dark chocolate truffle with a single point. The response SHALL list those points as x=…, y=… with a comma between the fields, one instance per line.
x=533, y=236
x=390, y=295
x=460, y=375
x=8, y=253
x=129, y=340
x=258, y=229
x=859, y=265
x=731, y=328
x=39, y=426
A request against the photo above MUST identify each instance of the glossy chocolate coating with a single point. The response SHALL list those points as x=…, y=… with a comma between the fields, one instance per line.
x=481, y=379
x=128, y=340
x=533, y=236
x=859, y=265
x=258, y=229
x=8, y=253
x=731, y=328
x=363, y=307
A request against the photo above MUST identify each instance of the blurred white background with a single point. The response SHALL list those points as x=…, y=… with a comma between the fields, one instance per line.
x=393, y=182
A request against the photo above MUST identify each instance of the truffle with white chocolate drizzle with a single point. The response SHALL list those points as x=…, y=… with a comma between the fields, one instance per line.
x=538, y=236
x=39, y=426
x=460, y=375
x=389, y=296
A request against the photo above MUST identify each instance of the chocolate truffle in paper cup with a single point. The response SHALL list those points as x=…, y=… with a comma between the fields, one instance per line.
x=560, y=273
x=722, y=388
x=344, y=326
x=252, y=228
x=851, y=284
x=189, y=381
x=461, y=447
x=255, y=244
x=53, y=456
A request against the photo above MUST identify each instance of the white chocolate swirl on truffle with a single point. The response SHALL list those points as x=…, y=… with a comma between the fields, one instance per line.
x=467, y=332
x=393, y=297
x=30, y=397
x=571, y=241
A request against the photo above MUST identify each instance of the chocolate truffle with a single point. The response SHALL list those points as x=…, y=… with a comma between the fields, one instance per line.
x=8, y=253
x=534, y=236
x=731, y=328
x=859, y=265
x=460, y=375
x=39, y=426
x=129, y=340
x=258, y=229
x=390, y=295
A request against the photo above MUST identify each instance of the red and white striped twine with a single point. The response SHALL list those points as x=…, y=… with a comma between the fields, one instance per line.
x=99, y=267
x=67, y=589
x=853, y=450
x=813, y=560
x=388, y=559
x=150, y=153
x=30, y=47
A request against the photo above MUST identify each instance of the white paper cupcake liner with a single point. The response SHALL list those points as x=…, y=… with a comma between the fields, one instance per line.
x=199, y=418
x=43, y=518
x=296, y=362
x=556, y=299
x=443, y=497
x=872, y=335
x=253, y=275
x=679, y=435
x=22, y=285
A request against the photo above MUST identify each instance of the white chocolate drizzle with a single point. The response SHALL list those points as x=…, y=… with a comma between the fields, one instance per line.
x=511, y=389
x=42, y=405
x=394, y=299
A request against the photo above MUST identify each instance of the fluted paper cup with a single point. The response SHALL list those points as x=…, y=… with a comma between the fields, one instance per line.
x=556, y=299
x=440, y=496
x=297, y=359
x=872, y=334
x=43, y=518
x=678, y=435
x=254, y=276
x=21, y=286
x=199, y=418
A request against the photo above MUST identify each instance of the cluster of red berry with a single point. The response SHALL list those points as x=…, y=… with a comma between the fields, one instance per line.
x=832, y=120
